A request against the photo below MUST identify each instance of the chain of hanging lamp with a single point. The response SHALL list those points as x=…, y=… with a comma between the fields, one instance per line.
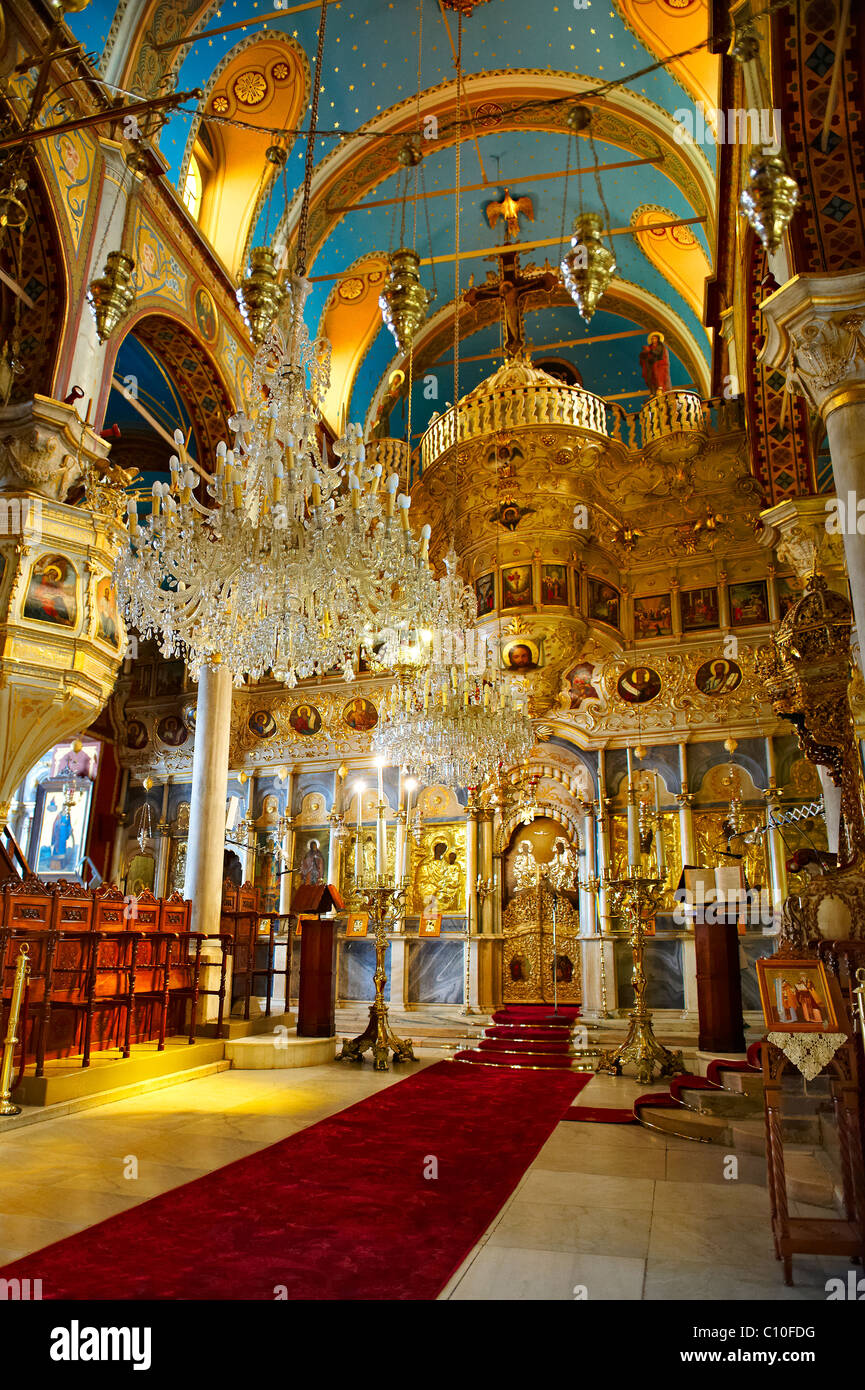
x=448, y=719
x=282, y=558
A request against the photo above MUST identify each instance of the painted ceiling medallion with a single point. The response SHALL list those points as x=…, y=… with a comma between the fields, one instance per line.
x=250, y=87
x=280, y=71
x=351, y=289
x=220, y=105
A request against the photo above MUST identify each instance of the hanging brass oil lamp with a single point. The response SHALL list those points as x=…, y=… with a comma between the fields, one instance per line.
x=113, y=294
x=260, y=293
x=403, y=301
x=769, y=198
x=589, y=266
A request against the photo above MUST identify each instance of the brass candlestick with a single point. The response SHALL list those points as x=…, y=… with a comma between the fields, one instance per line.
x=385, y=903
x=636, y=894
x=22, y=970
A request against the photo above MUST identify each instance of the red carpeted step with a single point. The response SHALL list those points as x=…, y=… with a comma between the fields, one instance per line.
x=661, y=1100
x=526, y=1044
x=687, y=1082
x=311, y=1217
x=536, y=1013
x=539, y=1060
x=528, y=1031
x=752, y=1064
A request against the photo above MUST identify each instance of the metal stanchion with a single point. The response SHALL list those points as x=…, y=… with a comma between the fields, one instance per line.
x=22, y=969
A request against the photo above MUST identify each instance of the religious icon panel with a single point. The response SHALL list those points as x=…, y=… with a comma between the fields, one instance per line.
x=261, y=723
x=172, y=730
x=796, y=995
x=517, y=586
x=603, y=602
x=360, y=714
x=554, y=585
x=523, y=654
x=305, y=720
x=699, y=609
x=485, y=592
x=107, y=621
x=51, y=593
x=718, y=677
x=749, y=603
x=653, y=616
x=638, y=685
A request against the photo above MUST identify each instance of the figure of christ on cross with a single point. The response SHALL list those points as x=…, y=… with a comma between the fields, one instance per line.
x=511, y=286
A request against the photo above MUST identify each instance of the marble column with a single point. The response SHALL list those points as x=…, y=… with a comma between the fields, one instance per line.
x=777, y=848
x=86, y=368
x=334, y=851
x=686, y=815
x=249, y=847
x=121, y=819
x=813, y=328
x=607, y=943
x=489, y=870
x=285, y=880
x=163, y=852
x=831, y=808
x=588, y=902
x=206, y=845
x=723, y=602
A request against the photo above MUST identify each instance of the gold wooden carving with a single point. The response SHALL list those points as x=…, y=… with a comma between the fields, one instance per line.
x=527, y=959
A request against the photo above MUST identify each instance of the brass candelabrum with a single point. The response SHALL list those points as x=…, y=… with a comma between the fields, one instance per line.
x=638, y=895
x=593, y=886
x=385, y=904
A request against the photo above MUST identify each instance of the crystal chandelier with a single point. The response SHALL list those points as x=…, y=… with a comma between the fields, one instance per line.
x=447, y=719
x=282, y=559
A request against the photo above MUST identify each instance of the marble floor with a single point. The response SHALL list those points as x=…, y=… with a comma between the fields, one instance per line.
x=613, y=1210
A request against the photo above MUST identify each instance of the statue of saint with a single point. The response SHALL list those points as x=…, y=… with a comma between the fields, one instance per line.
x=526, y=872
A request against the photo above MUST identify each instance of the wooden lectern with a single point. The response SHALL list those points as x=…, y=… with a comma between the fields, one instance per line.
x=317, y=990
x=719, y=980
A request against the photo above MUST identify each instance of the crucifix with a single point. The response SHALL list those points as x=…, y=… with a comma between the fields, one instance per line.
x=511, y=287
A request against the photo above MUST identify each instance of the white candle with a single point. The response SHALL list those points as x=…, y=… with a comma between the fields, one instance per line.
x=633, y=826
x=379, y=826
x=358, y=848
x=659, y=838
x=409, y=788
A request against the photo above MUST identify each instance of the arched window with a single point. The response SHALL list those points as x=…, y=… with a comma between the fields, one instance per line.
x=193, y=188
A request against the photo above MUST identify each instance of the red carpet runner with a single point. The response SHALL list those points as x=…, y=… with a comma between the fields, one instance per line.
x=341, y=1210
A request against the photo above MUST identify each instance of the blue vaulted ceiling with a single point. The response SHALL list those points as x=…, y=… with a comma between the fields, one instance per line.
x=370, y=65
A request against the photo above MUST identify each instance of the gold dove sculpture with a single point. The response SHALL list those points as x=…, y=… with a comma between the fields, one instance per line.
x=511, y=209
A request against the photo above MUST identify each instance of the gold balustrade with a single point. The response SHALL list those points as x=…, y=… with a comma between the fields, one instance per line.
x=666, y=416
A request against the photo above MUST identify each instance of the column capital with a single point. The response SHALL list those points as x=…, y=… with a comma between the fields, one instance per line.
x=797, y=529
x=814, y=333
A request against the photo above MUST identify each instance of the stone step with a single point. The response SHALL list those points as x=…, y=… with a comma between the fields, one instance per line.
x=808, y=1178
x=686, y=1124
x=750, y=1135
x=272, y=1051
x=729, y=1104
x=743, y=1083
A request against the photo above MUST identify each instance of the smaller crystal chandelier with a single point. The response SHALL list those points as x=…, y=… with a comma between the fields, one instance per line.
x=403, y=301
x=444, y=722
x=769, y=198
x=259, y=294
x=113, y=294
